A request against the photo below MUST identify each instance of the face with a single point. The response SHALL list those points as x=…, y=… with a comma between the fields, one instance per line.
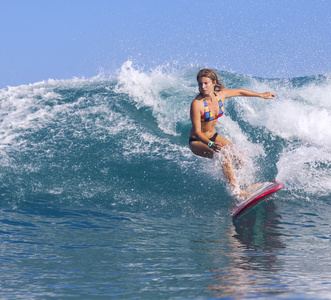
x=206, y=85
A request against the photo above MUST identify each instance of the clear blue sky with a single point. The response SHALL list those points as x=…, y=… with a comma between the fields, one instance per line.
x=43, y=39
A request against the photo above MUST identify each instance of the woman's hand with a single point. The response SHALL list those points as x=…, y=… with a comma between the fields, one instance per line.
x=216, y=147
x=268, y=95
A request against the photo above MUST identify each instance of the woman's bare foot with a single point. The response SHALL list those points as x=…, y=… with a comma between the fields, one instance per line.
x=253, y=188
x=243, y=195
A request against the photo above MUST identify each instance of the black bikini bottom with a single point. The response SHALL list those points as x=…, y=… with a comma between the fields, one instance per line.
x=213, y=138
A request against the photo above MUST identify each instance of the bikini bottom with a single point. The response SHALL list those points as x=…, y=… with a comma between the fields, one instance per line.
x=213, y=138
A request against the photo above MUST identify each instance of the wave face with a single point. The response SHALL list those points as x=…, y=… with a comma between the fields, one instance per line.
x=101, y=195
x=124, y=138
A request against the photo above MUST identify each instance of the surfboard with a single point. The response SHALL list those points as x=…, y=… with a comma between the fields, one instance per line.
x=259, y=192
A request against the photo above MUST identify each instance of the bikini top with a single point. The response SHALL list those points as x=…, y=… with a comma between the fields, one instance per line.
x=208, y=116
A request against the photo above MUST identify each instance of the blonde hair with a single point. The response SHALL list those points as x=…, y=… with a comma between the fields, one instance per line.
x=213, y=76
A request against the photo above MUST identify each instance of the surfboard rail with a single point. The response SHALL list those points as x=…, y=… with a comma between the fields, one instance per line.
x=262, y=193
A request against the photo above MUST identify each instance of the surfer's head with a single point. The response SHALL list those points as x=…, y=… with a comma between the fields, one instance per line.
x=213, y=76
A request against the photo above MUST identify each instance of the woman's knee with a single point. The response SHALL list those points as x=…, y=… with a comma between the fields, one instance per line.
x=201, y=149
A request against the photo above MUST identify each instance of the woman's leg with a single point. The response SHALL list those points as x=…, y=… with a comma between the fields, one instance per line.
x=229, y=172
x=201, y=149
x=227, y=161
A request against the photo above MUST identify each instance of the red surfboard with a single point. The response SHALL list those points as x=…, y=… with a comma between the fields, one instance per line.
x=260, y=193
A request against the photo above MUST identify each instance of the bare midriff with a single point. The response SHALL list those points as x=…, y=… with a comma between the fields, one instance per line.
x=207, y=128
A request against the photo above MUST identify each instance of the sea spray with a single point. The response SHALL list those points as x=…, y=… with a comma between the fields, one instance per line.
x=82, y=139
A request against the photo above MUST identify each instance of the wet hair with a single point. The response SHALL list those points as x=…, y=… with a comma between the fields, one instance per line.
x=213, y=76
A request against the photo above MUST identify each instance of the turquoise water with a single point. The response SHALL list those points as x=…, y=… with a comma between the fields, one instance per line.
x=102, y=198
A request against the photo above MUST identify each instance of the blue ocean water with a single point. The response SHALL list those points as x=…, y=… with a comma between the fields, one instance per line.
x=102, y=198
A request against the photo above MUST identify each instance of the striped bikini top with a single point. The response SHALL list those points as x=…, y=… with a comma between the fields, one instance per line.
x=208, y=115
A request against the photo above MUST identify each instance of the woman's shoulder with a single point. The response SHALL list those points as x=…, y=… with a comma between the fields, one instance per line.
x=198, y=98
x=197, y=103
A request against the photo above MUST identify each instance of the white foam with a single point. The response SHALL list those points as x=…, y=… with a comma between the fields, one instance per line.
x=296, y=113
x=306, y=169
x=160, y=89
x=231, y=130
x=301, y=116
x=317, y=94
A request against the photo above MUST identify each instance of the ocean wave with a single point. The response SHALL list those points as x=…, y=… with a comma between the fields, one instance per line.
x=125, y=137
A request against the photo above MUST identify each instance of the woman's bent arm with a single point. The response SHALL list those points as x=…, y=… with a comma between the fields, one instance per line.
x=196, y=122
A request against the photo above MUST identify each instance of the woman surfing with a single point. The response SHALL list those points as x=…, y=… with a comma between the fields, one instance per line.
x=206, y=108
